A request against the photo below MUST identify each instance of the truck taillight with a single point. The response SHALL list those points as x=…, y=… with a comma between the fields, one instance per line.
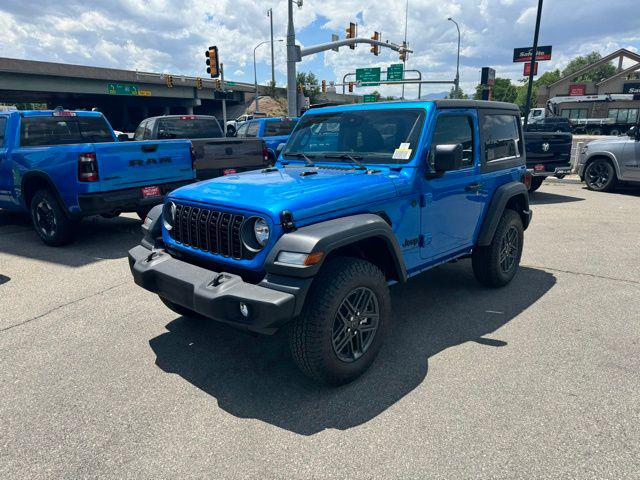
x=265, y=153
x=87, y=167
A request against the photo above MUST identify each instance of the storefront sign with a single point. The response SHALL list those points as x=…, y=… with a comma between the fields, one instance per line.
x=527, y=69
x=524, y=54
x=631, y=87
x=576, y=89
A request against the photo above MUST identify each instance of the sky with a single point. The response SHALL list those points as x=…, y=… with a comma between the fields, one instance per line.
x=171, y=36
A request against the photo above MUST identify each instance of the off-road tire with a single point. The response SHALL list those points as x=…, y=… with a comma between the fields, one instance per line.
x=600, y=185
x=536, y=182
x=50, y=221
x=179, y=309
x=311, y=338
x=485, y=260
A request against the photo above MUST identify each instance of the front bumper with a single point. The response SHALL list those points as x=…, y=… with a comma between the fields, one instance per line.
x=127, y=200
x=215, y=295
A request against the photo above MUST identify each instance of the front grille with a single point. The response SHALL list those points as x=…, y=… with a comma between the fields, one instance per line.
x=208, y=230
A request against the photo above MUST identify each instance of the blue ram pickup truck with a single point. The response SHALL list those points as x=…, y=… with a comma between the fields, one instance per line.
x=61, y=165
x=362, y=196
x=273, y=130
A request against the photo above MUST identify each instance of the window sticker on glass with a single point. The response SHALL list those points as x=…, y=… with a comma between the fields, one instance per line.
x=403, y=152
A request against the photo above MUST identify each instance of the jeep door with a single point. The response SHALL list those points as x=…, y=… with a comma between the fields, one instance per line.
x=452, y=202
x=630, y=164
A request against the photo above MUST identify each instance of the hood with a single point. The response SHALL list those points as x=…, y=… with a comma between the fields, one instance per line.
x=304, y=191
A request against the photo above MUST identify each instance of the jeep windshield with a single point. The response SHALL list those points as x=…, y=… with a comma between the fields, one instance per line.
x=373, y=136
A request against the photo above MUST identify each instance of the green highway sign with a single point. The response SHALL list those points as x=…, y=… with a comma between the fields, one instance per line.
x=119, y=89
x=369, y=77
x=369, y=98
x=394, y=72
x=230, y=84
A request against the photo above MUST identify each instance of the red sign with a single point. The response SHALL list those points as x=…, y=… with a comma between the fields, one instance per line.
x=151, y=192
x=525, y=54
x=576, y=89
x=527, y=69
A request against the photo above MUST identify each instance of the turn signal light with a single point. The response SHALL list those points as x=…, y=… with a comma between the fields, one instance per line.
x=87, y=167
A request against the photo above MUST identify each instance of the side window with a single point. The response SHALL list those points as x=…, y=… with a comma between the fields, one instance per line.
x=501, y=137
x=140, y=131
x=3, y=126
x=148, y=127
x=252, y=129
x=242, y=131
x=451, y=130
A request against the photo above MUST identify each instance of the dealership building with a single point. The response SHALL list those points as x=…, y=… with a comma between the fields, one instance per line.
x=605, y=103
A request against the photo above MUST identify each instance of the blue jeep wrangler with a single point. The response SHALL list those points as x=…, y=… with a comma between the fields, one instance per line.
x=361, y=197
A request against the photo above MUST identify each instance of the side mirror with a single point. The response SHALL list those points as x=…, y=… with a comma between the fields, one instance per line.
x=634, y=132
x=279, y=148
x=123, y=137
x=447, y=157
x=231, y=132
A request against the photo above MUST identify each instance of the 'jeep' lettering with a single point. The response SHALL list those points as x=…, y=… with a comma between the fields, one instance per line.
x=149, y=161
x=410, y=242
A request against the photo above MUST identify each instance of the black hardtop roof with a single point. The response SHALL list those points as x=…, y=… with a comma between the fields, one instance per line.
x=479, y=104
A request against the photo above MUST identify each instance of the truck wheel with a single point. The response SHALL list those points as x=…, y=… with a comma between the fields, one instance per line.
x=50, y=221
x=496, y=264
x=535, y=183
x=179, y=309
x=600, y=175
x=343, y=322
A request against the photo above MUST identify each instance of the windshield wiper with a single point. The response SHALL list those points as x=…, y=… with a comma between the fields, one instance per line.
x=307, y=158
x=346, y=156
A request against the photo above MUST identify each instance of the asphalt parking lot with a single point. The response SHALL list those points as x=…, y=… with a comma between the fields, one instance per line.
x=539, y=379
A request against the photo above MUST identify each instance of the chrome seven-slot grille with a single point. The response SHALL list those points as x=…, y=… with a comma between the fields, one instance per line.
x=208, y=230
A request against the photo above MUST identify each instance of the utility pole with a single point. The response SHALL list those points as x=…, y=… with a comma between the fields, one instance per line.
x=292, y=93
x=533, y=62
x=224, y=100
x=273, y=71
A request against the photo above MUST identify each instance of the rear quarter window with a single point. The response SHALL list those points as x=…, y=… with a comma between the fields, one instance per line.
x=46, y=131
x=277, y=128
x=501, y=137
x=3, y=126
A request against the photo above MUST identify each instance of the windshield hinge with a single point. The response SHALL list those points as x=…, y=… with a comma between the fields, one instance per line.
x=286, y=220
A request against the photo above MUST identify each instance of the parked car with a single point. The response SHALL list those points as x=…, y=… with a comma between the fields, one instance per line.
x=273, y=130
x=61, y=166
x=604, y=163
x=548, y=154
x=551, y=124
x=363, y=196
x=232, y=125
x=215, y=154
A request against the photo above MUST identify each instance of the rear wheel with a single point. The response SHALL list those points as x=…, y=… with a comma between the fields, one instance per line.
x=496, y=264
x=50, y=220
x=343, y=322
x=600, y=175
x=535, y=183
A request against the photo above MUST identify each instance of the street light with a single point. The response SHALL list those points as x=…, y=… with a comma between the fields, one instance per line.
x=255, y=71
x=457, y=83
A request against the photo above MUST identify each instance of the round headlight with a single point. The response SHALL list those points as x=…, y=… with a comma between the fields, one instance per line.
x=169, y=215
x=261, y=231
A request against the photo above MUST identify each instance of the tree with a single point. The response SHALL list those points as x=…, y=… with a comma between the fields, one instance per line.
x=304, y=80
x=503, y=91
x=603, y=71
x=547, y=78
x=453, y=93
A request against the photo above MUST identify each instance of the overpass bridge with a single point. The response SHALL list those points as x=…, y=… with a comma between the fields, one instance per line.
x=124, y=96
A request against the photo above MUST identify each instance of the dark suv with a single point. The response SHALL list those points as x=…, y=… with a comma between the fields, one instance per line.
x=551, y=124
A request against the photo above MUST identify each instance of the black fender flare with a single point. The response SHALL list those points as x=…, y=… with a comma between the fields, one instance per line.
x=501, y=198
x=41, y=176
x=331, y=235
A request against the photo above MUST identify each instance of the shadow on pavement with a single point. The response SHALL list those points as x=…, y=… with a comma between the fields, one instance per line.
x=254, y=377
x=546, y=198
x=97, y=238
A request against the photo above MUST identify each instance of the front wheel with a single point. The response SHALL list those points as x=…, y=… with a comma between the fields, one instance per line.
x=50, y=221
x=496, y=264
x=343, y=322
x=600, y=176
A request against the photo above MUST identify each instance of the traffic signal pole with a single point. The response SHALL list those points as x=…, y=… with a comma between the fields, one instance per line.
x=533, y=62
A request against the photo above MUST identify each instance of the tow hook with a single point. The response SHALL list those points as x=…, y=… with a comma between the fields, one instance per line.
x=218, y=280
x=153, y=255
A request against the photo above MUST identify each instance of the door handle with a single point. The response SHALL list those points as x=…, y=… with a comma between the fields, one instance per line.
x=474, y=187
x=149, y=148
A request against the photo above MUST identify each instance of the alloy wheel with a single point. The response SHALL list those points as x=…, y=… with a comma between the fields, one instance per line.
x=598, y=174
x=355, y=324
x=46, y=218
x=509, y=249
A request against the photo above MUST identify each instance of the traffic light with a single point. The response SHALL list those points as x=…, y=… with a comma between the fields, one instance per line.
x=213, y=65
x=217, y=84
x=350, y=87
x=169, y=80
x=324, y=86
x=198, y=83
x=375, y=49
x=351, y=32
x=403, y=52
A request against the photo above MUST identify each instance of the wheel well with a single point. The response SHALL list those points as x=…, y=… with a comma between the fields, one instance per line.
x=518, y=204
x=374, y=250
x=31, y=185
